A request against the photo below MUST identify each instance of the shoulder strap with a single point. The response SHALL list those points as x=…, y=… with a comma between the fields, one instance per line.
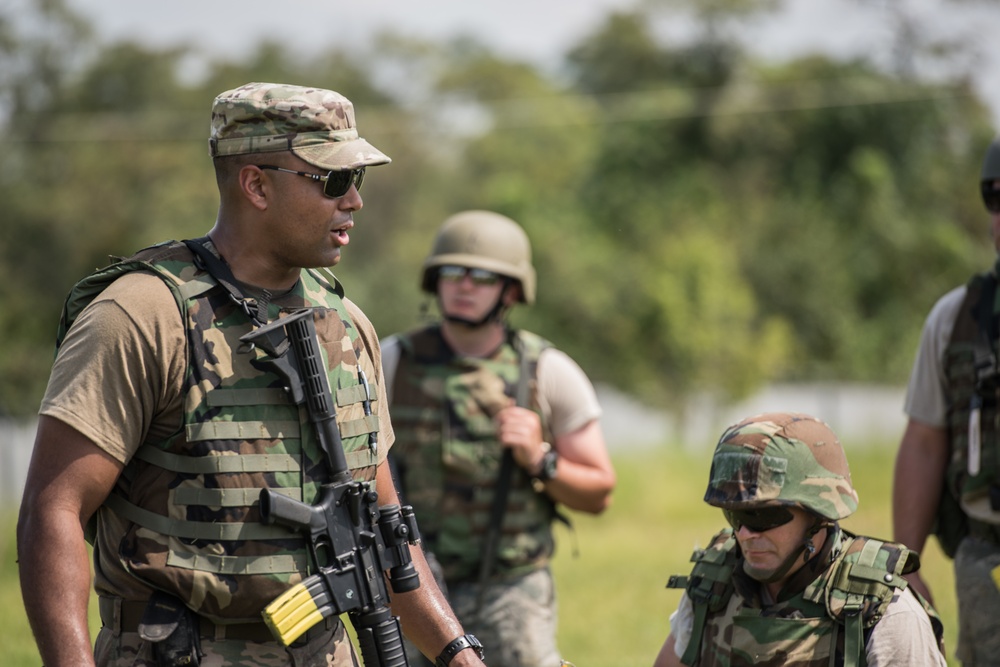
x=498, y=508
x=255, y=309
x=710, y=585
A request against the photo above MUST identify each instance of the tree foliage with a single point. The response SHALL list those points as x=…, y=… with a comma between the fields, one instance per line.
x=700, y=221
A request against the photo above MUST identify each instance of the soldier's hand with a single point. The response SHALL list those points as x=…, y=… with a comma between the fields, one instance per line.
x=520, y=429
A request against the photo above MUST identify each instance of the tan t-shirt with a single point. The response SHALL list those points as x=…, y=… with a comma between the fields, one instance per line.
x=925, y=394
x=118, y=377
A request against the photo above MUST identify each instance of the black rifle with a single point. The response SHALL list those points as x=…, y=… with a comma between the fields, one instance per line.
x=352, y=541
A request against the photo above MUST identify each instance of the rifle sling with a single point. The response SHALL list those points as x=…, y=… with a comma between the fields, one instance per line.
x=499, y=505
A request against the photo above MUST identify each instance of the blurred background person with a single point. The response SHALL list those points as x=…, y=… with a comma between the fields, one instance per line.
x=947, y=477
x=495, y=430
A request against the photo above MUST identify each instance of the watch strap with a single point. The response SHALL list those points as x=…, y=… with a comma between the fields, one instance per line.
x=549, y=461
x=456, y=645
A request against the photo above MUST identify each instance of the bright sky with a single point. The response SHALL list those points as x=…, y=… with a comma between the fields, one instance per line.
x=538, y=30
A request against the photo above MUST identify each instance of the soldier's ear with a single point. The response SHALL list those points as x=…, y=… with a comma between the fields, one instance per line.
x=253, y=187
x=511, y=293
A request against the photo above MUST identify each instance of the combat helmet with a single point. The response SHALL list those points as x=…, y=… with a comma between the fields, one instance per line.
x=991, y=163
x=782, y=459
x=482, y=240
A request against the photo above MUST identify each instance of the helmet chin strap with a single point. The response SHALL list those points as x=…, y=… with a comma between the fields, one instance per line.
x=496, y=314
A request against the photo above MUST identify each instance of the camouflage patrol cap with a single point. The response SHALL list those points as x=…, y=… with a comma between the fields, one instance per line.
x=316, y=125
x=775, y=459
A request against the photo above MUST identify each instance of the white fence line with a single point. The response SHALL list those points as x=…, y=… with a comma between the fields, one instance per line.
x=860, y=414
x=16, y=440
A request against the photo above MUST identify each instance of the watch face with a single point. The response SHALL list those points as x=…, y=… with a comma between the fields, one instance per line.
x=549, y=462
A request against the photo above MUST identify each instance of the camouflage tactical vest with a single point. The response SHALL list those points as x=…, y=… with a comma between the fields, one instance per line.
x=448, y=458
x=191, y=500
x=971, y=498
x=825, y=624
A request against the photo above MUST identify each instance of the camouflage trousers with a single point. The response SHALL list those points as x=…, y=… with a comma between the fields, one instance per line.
x=329, y=649
x=978, y=603
x=516, y=624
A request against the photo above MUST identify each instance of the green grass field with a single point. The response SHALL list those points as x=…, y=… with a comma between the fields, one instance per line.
x=613, y=604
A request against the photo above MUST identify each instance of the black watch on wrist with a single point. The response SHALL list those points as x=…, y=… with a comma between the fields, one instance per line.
x=456, y=645
x=549, y=462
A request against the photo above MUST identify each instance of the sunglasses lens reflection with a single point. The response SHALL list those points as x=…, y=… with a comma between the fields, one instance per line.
x=339, y=182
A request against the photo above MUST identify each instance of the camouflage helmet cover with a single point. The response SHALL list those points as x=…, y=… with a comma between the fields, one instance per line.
x=991, y=162
x=482, y=240
x=315, y=124
x=786, y=459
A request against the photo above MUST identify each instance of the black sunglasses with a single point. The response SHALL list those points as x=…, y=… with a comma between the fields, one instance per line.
x=991, y=196
x=479, y=276
x=335, y=183
x=758, y=520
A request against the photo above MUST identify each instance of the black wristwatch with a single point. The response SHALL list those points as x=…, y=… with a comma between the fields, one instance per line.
x=456, y=645
x=550, y=460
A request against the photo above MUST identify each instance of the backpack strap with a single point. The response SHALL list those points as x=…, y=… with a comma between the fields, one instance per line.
x=862, y=583
x=527, y=357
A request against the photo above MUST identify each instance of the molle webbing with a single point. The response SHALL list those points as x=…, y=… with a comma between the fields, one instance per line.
x=448, y=457
x=854, y=592
x=191, y=500
x=710, y=585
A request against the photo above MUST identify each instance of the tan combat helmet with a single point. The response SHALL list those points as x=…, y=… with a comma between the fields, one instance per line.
x=782, y=459
x=482, y=240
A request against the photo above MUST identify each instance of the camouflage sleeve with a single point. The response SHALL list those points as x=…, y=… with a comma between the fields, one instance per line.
x=366, y=330
x=565, y=393
x=925, y=400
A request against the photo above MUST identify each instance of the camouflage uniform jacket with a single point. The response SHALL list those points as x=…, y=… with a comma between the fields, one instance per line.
x=971, y=500
x=825, y=623
x=190, y=500
x=447, y=456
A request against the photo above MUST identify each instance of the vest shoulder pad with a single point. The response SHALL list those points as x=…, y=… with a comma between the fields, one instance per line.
x=148, y=259
x=711, y=578
x=530, y=344
x=865, y=576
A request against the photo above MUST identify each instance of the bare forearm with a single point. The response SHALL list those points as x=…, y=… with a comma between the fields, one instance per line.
x=667, y=657
x=55, y=586
x=68, y=479
x=918, y=480
x=425, y=614
x=584, y=475
x=581, y=487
